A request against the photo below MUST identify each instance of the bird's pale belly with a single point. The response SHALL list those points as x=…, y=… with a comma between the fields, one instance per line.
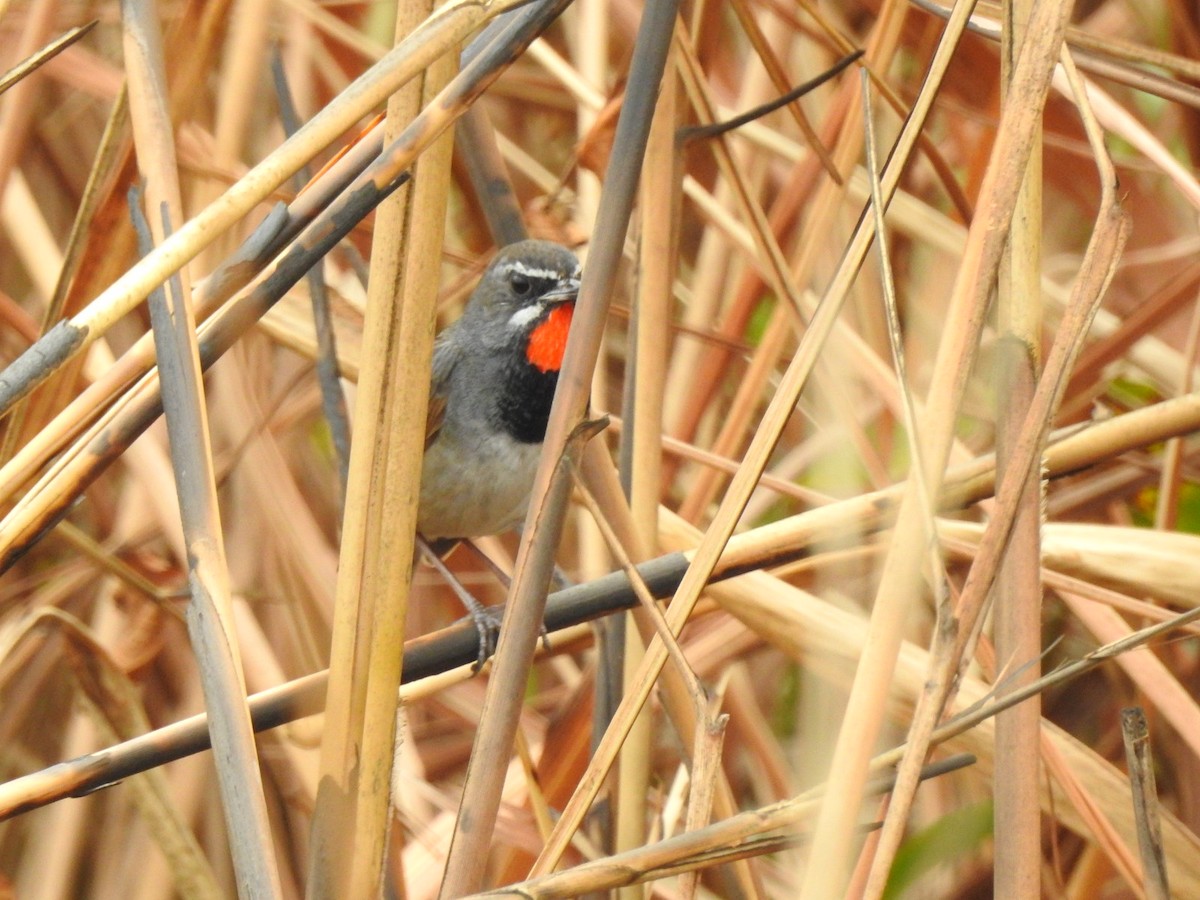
x=470, y=493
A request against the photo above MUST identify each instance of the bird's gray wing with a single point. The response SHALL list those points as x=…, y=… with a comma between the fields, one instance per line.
x=446, y=354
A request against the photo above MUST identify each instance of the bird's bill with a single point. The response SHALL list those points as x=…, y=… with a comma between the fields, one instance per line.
x=565, y=292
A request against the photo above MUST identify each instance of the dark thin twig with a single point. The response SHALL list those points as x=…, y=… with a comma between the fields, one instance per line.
x=703, y=132
x=333, y=398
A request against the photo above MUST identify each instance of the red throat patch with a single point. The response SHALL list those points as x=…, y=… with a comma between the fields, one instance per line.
x=548, y=341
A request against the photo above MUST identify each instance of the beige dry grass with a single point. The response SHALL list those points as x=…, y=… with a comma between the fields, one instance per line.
x=750, y=363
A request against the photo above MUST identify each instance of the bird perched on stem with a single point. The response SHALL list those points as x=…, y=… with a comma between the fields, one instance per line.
x=494, y=374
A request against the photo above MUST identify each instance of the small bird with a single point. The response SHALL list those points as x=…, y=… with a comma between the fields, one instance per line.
x=494, y=374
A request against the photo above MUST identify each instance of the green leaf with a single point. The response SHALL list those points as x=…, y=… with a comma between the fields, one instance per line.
x=955, y=836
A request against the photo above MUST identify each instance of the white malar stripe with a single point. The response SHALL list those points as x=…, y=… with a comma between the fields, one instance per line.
x=525, y=315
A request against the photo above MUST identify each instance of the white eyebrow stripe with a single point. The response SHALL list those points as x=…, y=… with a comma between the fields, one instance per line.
x=532, y=272
x=525, y=315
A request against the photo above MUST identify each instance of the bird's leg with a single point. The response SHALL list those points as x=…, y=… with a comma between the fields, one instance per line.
x=487, y=620
x=560, y=579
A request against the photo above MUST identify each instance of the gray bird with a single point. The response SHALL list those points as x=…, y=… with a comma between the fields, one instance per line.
x=494, y=374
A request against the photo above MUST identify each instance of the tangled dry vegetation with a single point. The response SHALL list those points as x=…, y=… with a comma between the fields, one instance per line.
x=942, y=439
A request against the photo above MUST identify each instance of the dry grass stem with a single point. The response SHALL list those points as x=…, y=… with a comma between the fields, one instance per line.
x=900, y=372
x=1145, y=801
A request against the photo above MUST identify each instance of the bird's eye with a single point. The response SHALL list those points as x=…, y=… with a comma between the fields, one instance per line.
x=520, y=284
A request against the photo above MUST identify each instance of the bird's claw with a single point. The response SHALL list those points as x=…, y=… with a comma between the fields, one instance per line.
x=487, y=624
x=487, y=620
